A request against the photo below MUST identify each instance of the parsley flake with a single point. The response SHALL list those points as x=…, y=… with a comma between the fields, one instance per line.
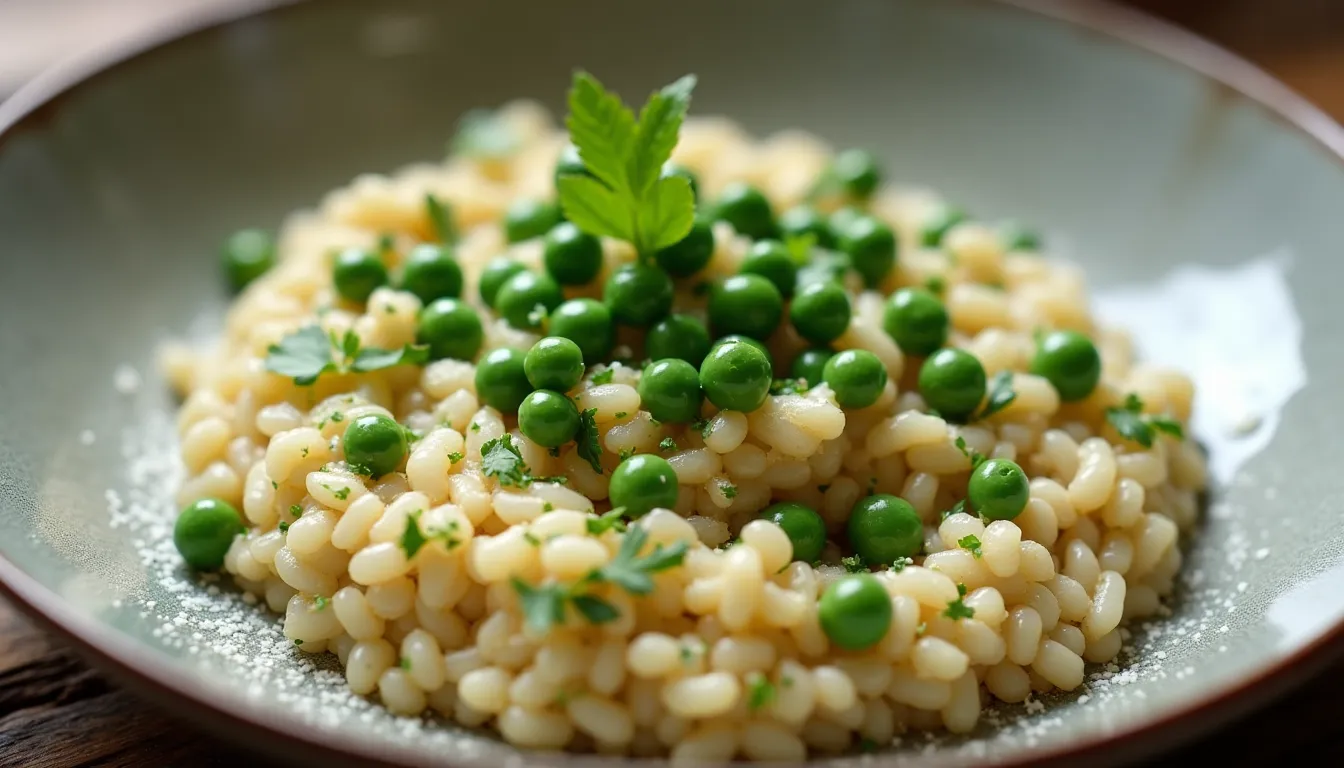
x=976, y=457
x=1133, y=424
x=455, y=457
x=337, y=417
x=625, y=453
x=531, y=539
x=500, y=459
x=936, y=285
x=604, y=376
x=971, y=543
x=295, y=510
x=854, y=564
x=1001, y=394
x=760, y=692
x=900, y=563
x=788, y=387
x=413, y=539
x=667, y=444
x=728, y=489
x=320, y=603
x=957, y=609
x=621, y=414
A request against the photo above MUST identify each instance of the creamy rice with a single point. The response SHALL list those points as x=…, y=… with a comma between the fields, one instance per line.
x=726, y=656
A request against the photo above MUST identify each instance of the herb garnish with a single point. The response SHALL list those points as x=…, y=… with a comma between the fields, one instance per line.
x=667, y=444
x=413, y=539
x=310, y=352
x=589, y=446
x=501, y=460
x=854, y=564
x=1001, y=394
x=957, y=609
x=1133, y=424
x=760, y=691
x=604, y=376
x=607, y=521
x=971, y=543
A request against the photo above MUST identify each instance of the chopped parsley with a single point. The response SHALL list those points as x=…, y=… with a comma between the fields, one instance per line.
x=531, y=539
x=703, y=426
x=320, y=603
x=900, y=563
x=305, y=448
x=936, y=285
x=607, y=521
x=544, y=606
x=971, y=543
x=589, y=445
x=760, y=692
x=788, y=386
x=341, y=493
x=956, y=509
x=440, y=219
x=296, y=510
x=854, y=564
x=976, y=457
x=625, y=195
x=1001, y=394
x=475, y=427
x=309, y=352
x=501, y=460
x=800, y=247
x=298, y=642
x=621, y=414
x=413, y=539
x=547, y=507
x=604, y=376
x=626, y=453
x=1133, y=424
x=728, y=490
x=667, y=444
x=957, y=609
x=337, y=417
x=631, y=571
x=921, y=628
x=405, y=663
x=455, y=457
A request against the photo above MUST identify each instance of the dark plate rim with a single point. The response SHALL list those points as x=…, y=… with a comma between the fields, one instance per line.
x=228, y=719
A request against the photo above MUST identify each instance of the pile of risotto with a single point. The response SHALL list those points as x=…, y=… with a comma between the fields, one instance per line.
x=765, y=458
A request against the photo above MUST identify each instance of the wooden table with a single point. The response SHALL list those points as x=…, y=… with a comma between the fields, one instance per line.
x=57, y=713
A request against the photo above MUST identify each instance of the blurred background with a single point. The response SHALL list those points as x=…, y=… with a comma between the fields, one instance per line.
x=1299, y=41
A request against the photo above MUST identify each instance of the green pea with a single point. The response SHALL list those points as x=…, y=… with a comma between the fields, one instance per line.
x=432, y=273
x=810, y=365
x=549, y=419
x=771, y=260
x=884, y=528
x=497, y=272
x=375, y=445
x=998, y=489
x=501, y=379
x=1069, y=360
x=804, y=527
x=760, y=346
x=638, y=295
x=677, y=336
x=747, y=304
x=586, y=322
x=820, y=312
x=804, y=220
x=856, y=377
x=690, y=254
x=857, y=172
x=736, y=377
x=247, y=255
x=526, y=219
x=554, y=363
x=916, y=320
x=204, y=532
x=952, y=382
x=855, y=612
x=527, y=298
x=569, y=164
x=451, y=328
x=356, y=273
x=936, y=227
x=572, y=256
x=871, y=246
x=672, y=169
x=670, y=391
x=748, y=210
x=643, y=483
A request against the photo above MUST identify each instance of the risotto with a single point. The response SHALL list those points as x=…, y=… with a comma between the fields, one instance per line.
x=647, y=437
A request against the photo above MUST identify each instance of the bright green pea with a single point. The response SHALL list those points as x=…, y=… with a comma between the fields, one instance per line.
x=771, y=260
x=916, y=320
x=810, y=365
x=670, y=391
x=856, y=377
x=638, y=295
x=952, y=382
x=804, y=527
x=855, y=612
x=586, y=322
x=820, y=312
x=748, y=210
x=690, y=254
x=643, y=483
x=871, y=246
x=804, y=220
x=204, y=532
x=554, y=363
x=857, y=172
x=356, y=273
x=375, y=445
x=526, y=219
x=998, y=489
x=549, y=419
x=1069, y=360
x=451, y=328
x=247, y=255
x=501, y=379
x=757, y=343
x=572, y=256
x=736, y=377
x=884, y=528
x=432, y=273
x=527, y=298
x=677, y=336
x=747, y=304
x=497, y=272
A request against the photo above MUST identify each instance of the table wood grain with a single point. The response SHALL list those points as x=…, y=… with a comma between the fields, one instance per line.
x=57, y=713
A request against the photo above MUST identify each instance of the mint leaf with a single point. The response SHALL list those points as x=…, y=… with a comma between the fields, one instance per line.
x=441, y=219
x=656, y=134
x=303, y=355
x=665, y=215
x=1001, y=394
x=375, y=359
x=957, y=609
x=595, y=609
x=602, y=129
x=594, y=208
x=589, y=446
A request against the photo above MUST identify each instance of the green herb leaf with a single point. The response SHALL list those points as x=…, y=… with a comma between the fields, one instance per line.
x=824, y=265
x=413, y=539
x=543, y=607
x=971, y=543
x=956, y=509
x=595, y=209
x=441, y=219
x=976, y=457
x=406, y=663
x=900, y=563
x=1170, y=426
x=632, y=572
x=957, y=609
x=729, y=490
x=760, y=692
x=854, y=564
x=602, y=129
x=303, y=355
x=1001, y=394
x=1129, y=421
x=607, y=521
x=656, y=134
x=667, y=444
x=455, y=457
x=374, y=359
x=483, y=135
x=320, y=603
x=604, y=377
x=936, y=285
x=800, y=247
x=595, y=609
x=589, y=445
x=500, y=459
x=788, y=386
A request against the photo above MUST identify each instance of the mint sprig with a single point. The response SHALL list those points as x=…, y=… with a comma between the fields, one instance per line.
x=626, y=197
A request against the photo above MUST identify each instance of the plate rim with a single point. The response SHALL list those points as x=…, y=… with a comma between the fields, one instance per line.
x=139, y=669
